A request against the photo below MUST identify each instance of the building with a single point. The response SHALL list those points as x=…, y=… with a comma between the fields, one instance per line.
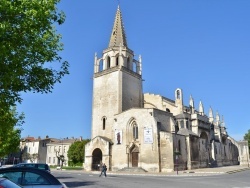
x=148, y=131
x=48, y=150
x=34, y=150
x=57, y=152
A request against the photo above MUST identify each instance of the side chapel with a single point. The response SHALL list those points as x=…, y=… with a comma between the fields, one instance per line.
x=147, y=131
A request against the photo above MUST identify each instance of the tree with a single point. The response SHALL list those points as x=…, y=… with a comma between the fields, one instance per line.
x=29, y=53
x=247, y=138
x=76, y=152
x=10, y=131
x=29, y=44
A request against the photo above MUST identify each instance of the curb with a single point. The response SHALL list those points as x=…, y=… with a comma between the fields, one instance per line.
x=239, y=170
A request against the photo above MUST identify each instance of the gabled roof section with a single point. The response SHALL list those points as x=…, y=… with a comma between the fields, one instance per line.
x=118, y=36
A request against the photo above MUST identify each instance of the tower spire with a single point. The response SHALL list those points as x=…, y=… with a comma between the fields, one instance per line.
x=201, y=108
x=118, y=36
x=211, y=115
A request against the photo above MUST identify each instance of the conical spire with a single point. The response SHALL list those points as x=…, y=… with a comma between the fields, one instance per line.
x=217, y=117
x=191, y=101
x=211, y=115
x=201, y=109
x=118, y=37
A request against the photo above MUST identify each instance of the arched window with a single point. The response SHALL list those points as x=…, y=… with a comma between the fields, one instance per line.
x=128, y=63
x=182, y=124
x=108, y=62
x=187, y=124
x=103, y=123
x=117, y=61
x=178, y=95
x=177, y=127
x=100, y=66
x=135, y=131
x=134, y=67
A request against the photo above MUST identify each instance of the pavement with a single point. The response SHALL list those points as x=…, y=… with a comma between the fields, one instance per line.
x=194, y=172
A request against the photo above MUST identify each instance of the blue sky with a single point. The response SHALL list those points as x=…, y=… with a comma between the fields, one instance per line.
x=202, y=47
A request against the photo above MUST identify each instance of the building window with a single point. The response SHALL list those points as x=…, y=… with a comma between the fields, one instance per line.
x=117, y=61
x=135, y=131
x=108, y=62
x=54, y=160
x=103, y=123
x=178, y=96
x=187, y=124
x=49, y=159
x=128, y=63
x=134, y=67
x=100, y=66
x=182, y=124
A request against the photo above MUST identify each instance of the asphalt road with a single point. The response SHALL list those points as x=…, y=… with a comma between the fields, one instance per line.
x=88, y=180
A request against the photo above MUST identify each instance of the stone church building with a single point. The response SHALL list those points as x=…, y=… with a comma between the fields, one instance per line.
x=131, y=129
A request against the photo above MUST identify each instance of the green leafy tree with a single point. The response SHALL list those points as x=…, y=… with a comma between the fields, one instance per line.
x=76, y=152
x=247, y=138
x=29, y=55
x=29, y=44
x=10, y=131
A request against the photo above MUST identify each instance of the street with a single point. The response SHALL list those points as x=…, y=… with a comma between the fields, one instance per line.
x=84, y=179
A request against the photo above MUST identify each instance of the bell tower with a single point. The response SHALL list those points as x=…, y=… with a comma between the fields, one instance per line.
x=117, y=81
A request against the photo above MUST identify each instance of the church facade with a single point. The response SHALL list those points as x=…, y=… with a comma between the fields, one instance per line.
x=152, y=132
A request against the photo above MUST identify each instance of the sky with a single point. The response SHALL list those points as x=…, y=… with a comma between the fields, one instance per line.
x=202, y=47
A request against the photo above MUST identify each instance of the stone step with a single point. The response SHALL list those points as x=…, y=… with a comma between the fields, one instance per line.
x=132, y=169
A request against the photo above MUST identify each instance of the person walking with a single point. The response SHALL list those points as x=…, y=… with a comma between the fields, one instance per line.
x=104, y=169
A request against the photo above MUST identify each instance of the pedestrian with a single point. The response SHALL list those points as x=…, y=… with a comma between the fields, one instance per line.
x=104, y=169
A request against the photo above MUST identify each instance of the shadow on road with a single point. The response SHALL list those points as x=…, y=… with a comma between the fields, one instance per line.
x=63, y=177
x=79, y=184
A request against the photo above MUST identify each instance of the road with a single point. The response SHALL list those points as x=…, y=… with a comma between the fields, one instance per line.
x=88, y=180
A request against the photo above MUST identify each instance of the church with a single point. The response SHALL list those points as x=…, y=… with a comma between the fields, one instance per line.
x=136, y=130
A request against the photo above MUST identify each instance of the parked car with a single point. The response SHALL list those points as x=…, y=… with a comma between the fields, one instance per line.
x=31, y=177
x=5, y=183
x=42, y=166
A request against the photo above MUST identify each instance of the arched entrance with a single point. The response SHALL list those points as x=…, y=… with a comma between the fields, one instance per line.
x=96, y=159
x=134, y=153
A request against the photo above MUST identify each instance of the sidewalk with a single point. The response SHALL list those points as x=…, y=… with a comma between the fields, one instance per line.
x=194, y=172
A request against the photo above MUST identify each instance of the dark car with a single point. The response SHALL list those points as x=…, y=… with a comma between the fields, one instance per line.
x=31, y=177
x=42, y=166
x=5, y=183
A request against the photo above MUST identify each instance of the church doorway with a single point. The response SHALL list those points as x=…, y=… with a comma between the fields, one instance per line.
x=134, y=159
x=134, y=152
x=96, y=159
